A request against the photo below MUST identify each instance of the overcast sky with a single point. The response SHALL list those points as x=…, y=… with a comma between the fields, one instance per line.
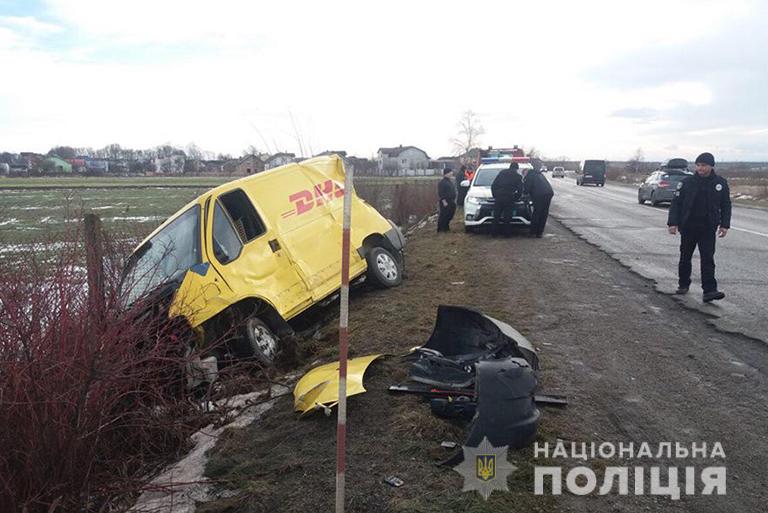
x=577, y=78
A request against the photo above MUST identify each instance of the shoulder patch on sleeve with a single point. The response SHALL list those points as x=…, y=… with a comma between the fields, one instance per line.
x=719, y=187
x=679, y=185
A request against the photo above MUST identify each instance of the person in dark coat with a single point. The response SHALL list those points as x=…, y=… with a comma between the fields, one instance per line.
x=460, y=177
x=446, y=191
x=701, y=208
x=507, y=188
x=540, y=192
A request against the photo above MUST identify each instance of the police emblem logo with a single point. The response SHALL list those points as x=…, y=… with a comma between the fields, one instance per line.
x=486, y=466
x=719, y=187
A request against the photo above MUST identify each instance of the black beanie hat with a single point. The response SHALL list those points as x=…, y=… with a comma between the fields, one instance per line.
x=706, y=158
x=514, y=166
x=447, y=170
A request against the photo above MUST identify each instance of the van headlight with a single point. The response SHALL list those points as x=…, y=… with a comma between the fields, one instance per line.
x=472, y=200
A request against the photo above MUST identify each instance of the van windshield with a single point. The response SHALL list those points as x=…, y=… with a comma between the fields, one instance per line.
x=164, y=258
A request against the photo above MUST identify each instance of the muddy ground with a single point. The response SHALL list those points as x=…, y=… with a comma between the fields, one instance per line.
x=635, y=365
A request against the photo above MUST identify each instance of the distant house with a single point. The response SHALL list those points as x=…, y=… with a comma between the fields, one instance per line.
x=119, y=166
x=214, y=167
x=250, y=165
x=33, y=160
x=279, y=159
x=17, y=164
x=96, y=166
x=56, y=165
x=394, y=160
x=446, y=163
x=171, y=165
x=78, y=164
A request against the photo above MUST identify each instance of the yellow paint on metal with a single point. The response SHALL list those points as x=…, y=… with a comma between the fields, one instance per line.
x=320, y=386
x=296, y=261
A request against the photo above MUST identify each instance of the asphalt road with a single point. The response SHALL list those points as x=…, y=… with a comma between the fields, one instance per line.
x=636, y=235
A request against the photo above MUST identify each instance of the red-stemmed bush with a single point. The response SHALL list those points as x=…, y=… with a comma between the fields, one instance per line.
x=92, y=396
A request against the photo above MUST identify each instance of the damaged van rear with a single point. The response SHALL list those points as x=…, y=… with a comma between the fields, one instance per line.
x=256, y=252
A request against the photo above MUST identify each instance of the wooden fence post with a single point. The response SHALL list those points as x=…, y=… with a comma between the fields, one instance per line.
x=94, y=261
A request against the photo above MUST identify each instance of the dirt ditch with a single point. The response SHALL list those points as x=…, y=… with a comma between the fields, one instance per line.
x=603, y=337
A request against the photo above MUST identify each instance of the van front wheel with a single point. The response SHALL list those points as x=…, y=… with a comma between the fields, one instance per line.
x=383, y=268
x=257, y=342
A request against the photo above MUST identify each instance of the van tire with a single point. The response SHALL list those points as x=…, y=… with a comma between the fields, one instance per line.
x=384, y=270
x=256, y=342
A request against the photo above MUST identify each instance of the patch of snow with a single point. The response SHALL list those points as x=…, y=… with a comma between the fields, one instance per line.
x=138, y=219
x=188, y=473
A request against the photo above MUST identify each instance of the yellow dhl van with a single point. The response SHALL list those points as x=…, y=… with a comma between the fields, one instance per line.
x=257, y=251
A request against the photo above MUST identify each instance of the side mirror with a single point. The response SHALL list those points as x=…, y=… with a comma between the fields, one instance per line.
x=464, y=183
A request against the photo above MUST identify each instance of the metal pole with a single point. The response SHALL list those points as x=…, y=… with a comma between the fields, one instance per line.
x=341, y=426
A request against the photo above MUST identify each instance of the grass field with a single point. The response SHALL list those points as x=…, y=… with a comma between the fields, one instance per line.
x=86, y=182
x=113, y=182
x=34, y=210
x=29, y=216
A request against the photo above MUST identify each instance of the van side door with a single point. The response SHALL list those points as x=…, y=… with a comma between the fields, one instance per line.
x=250, y=256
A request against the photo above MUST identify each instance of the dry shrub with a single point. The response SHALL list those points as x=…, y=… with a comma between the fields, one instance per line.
x=92, y=396
x=412, y=202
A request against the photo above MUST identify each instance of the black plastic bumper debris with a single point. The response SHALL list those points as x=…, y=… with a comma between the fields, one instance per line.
x=506, y=409
x=461, y=338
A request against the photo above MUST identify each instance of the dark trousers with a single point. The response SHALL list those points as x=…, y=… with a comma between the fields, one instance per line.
x=703, y=237
x=461, y=194
x=502, y=215
x=445, y=216
x=540, y=214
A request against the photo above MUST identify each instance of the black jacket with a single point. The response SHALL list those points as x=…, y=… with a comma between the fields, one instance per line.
x=537, y=186
x=507, y=187
x=446, y=190
x=718, y=201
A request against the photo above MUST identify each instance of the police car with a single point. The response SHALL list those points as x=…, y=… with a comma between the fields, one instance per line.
x=478, y=204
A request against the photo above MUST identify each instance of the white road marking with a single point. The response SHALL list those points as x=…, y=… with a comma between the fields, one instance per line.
x=750, y=231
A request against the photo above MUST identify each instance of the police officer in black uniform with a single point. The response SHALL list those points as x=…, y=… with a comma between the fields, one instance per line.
x=700, y=209
x=506, y=189
x=540, y=191
x=446, y=191
x=460, y=177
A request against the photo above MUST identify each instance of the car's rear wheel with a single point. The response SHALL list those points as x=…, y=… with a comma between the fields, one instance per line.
x=383, y=268
x=640, y=199
x=256, y=342
x=653, y=200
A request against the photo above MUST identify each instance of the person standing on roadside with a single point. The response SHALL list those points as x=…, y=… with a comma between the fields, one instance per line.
x=446, y=191
x=540, y=192
x=700, y=209
x=506, y=189
x=461, y=189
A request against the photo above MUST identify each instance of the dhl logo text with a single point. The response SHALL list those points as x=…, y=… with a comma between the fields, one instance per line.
x=322, y=193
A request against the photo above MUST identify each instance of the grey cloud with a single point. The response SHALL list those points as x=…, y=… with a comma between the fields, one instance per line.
x=734, y=65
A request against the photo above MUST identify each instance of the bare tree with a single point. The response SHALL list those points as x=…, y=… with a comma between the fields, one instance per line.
x=251, y=150
x=637, y=163
x=537, y=159
x=468, y=135
x=194, y=152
